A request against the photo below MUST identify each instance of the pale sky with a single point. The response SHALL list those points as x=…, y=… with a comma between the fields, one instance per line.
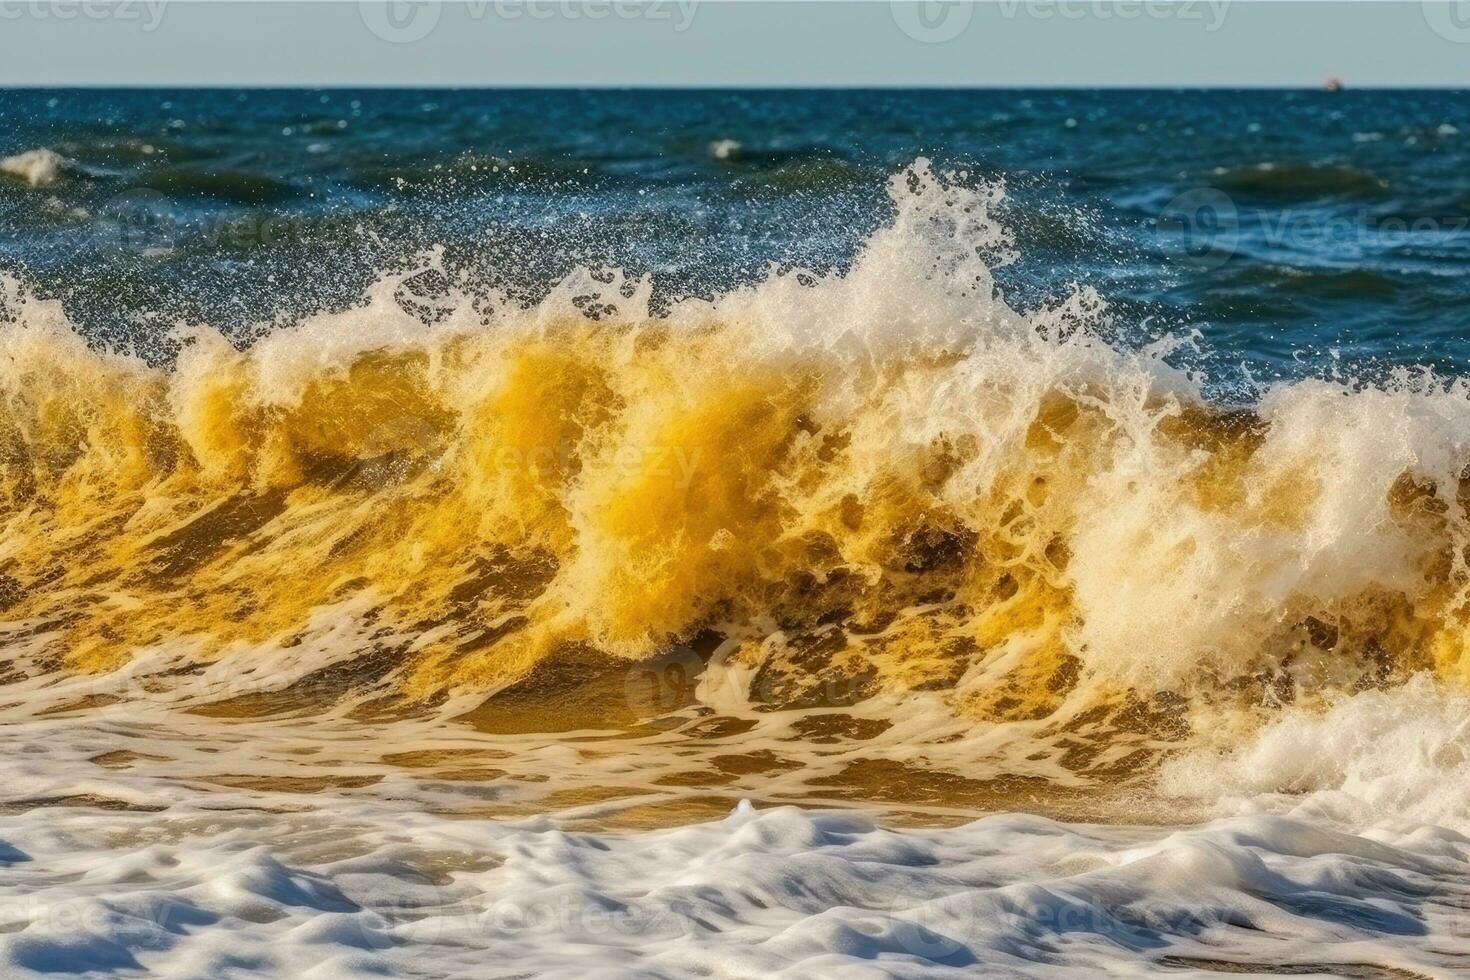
x=735, y=43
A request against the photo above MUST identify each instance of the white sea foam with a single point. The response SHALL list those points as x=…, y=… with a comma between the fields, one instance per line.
x=1402, y=754
x=38, y=168
x=725, y=149
x=324, y=887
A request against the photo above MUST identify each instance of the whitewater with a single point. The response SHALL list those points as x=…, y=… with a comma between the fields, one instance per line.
x=853, y=622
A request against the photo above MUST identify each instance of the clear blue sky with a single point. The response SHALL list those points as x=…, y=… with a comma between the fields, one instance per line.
x=734, y=42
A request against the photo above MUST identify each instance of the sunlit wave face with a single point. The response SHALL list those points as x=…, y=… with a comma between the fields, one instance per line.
x=823, y=490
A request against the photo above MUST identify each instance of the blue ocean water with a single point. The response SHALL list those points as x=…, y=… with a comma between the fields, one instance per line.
x=1298, y=232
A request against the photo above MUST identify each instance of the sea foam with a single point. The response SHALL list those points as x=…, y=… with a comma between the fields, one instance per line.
x=38, y=168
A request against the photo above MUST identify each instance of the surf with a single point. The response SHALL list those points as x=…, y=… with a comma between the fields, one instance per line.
x=828, y=487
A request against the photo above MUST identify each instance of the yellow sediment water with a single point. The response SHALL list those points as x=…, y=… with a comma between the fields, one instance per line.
x=883, y=479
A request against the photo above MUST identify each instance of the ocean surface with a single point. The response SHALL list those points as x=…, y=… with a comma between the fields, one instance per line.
x=734, y=534
x=1299, y=232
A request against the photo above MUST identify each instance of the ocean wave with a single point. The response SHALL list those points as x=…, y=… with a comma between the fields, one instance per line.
x=412, y=174
x=238, y=187
x=1294, y=180
x=797, y=176
x=1286, y=282
x=824, y=489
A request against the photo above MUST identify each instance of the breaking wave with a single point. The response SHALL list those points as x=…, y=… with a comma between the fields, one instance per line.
x=880, y=482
